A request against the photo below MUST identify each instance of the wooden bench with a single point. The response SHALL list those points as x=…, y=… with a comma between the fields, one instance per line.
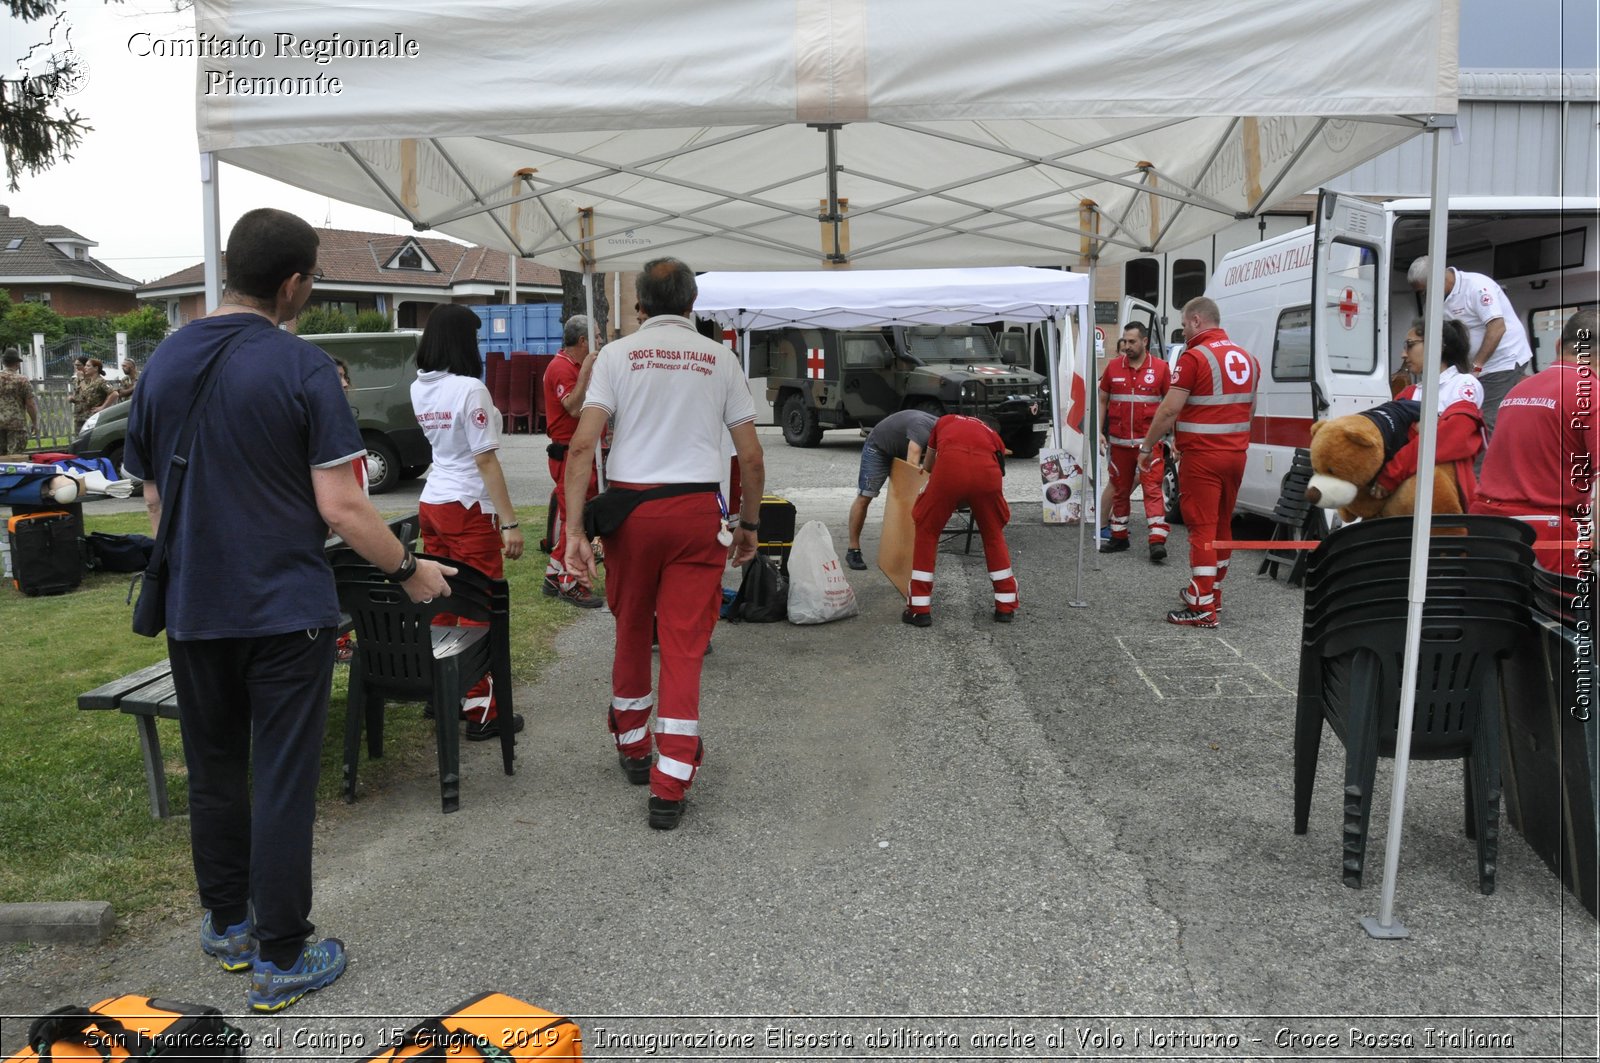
x=149, y=694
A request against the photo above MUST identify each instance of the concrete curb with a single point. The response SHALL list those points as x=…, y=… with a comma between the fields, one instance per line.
x=57, y=922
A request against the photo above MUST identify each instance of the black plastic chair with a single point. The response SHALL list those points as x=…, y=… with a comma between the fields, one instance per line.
x=1467, y=596
x=1355, y=569
x=1293, y=518
x=1342, y=565
x=1385, y=529
x=1350, y=678
x=400, y=655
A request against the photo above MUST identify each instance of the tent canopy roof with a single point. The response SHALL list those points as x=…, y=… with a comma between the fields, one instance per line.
x=871, y=298
x=793, y=134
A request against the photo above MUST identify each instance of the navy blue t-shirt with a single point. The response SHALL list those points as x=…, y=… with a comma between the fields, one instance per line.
x=245, y=547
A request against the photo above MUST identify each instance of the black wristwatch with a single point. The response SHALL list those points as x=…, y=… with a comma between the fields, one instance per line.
x=407, y=569
x=749, y=525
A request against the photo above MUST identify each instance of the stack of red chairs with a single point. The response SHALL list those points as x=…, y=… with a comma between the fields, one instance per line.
x=520, y=408
x=498, y=377
x=541, y=362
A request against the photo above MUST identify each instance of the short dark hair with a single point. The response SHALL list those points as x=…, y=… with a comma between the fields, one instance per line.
x=266, y=248
x=1577, y=335
x=450, y=342
x=1455, y=343
x=12, y=357
x=666, y=286
x=1139, y=328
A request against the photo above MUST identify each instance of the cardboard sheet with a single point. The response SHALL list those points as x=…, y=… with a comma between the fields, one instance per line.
x=899, y=530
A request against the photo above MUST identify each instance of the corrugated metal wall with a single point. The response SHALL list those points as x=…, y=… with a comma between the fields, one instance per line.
x=1524, y=133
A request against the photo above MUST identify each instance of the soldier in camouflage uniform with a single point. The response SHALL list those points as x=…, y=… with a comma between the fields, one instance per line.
x=18, y=408
x=89, y=391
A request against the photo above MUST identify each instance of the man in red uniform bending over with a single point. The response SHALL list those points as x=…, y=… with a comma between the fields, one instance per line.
x=965, y=462
x=566, y=384
x=1541, y=461
x=676, y=396
x=1212, y=398
x=1131, y=388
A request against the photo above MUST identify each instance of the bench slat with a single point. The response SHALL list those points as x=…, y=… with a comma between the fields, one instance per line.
x=110, y=695
x=154, y=699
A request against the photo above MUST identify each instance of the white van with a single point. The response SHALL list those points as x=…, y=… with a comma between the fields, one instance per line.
x=1325, y=308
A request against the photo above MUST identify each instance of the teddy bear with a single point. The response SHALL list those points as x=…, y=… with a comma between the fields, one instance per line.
x=1349, y=453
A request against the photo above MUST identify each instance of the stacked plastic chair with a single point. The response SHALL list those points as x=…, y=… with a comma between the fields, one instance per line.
x=401, y=656
x=520, y=390
x=1480, y=575
x=1294, y=518
x=498, y=378
x=541, y=362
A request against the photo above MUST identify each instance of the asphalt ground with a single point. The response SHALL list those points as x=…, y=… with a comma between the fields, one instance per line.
x=1066, y=837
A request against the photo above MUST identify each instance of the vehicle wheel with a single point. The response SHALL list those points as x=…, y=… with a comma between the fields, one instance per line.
x=1169, y=489
x=383, y=464
x=800, y=427
x=411, y=472
x=1024, y=444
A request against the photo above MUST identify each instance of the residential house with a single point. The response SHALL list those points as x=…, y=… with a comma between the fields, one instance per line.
x=51, y=264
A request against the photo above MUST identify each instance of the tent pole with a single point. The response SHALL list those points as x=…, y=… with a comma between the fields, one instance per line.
x=211, y=230
x=1080, y=371
x=588, y=312
x=1440, y=129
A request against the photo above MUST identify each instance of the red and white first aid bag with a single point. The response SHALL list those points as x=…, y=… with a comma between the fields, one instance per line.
x=818, y=589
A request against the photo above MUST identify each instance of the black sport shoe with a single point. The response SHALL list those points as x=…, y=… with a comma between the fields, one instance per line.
x=916, y=619
x=580, y=596
x=1113, y=546
x=854, y=559
x=664, y=814
x=1004, y=618
x=1192, y=617
x=637, y=769
x=1158, y=553
x=478, y=731
x=551, y=587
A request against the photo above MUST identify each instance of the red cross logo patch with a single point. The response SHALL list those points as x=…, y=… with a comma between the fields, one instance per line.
x=815, y=363
x=1348, y=308
x=480, y=419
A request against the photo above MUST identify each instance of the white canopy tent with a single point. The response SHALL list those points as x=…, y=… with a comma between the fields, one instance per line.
x=773, y=134
x=872, y=298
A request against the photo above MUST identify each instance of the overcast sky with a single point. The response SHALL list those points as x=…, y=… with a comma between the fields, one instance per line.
x=134, y=184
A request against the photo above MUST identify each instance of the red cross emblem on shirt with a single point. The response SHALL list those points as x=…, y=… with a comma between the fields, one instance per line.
x=1348, y=308
x=814, y=363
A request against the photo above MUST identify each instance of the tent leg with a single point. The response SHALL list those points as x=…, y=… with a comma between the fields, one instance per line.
x=1385, y=925
x=1086, y=511
x=211, y=230
x=588, y=312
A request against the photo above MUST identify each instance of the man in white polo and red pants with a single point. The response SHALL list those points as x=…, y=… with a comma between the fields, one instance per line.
x=1131, y=388
x=675, y=396
x=1210, y=403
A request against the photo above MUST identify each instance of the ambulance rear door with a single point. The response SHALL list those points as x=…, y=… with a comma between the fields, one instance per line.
x=1138, y=310
x=1349, y=308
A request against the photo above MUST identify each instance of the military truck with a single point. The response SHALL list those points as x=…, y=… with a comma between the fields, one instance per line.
x=819, y=379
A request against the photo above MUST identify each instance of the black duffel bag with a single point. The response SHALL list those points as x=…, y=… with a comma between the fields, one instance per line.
x=119, y=553
x=763, y=596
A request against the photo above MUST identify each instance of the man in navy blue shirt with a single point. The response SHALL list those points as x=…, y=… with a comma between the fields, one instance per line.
x=251, y=608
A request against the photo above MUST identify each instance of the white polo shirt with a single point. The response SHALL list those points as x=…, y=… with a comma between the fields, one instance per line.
x=1454, y=386
x=459, y=419
x=674, y=394
x=1477, y=300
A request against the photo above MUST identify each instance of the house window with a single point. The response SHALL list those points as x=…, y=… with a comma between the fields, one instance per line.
x=14, y=243
x=36, y=297
x=345, y=307
x=410, y=258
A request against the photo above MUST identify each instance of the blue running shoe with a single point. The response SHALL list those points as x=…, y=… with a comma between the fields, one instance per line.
x=320, y=964
x=234, y=948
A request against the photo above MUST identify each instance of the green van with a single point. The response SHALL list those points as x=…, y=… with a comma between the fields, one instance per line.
x=382, y=367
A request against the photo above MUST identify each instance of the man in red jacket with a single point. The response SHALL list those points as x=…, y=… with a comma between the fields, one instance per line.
x=566, y=385
x=1131, y=388
x=1541, y=460
x=965, y=462
x=1209, y=405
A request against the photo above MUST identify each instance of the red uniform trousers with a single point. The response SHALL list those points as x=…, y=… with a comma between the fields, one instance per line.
x=1124, y=466
x=664, y=569
x=971, y=477
x=1208, y=485
x=451, y=530
x=1555, y=536
x=558, y=474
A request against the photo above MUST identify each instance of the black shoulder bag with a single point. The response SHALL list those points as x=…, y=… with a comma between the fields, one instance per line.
x=150, y=611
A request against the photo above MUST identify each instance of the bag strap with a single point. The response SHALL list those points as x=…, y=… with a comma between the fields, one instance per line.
x=650, y=494
x=173, y=489
x=74, y=1022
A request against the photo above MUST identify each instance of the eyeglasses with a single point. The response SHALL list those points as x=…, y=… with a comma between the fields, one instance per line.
x=1412, y=343
x=315, y=275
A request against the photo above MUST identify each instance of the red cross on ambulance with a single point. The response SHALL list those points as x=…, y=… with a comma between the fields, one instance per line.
x=1348, y=308
x=815, y=365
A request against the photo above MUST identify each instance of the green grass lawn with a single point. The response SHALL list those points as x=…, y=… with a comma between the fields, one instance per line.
x=74, y=809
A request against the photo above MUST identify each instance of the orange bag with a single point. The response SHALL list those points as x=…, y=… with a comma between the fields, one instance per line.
x=489, y=1027
x=131, y=1028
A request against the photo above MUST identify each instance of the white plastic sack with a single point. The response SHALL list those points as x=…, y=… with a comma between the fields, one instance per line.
x=818, y=590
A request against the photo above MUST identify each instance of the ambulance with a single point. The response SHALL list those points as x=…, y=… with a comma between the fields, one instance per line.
x=1326, y=308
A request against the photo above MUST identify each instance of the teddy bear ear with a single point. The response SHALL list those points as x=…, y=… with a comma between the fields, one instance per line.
x=1315, y=427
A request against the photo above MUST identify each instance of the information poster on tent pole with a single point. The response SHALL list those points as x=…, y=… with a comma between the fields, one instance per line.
x=1063, y=478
